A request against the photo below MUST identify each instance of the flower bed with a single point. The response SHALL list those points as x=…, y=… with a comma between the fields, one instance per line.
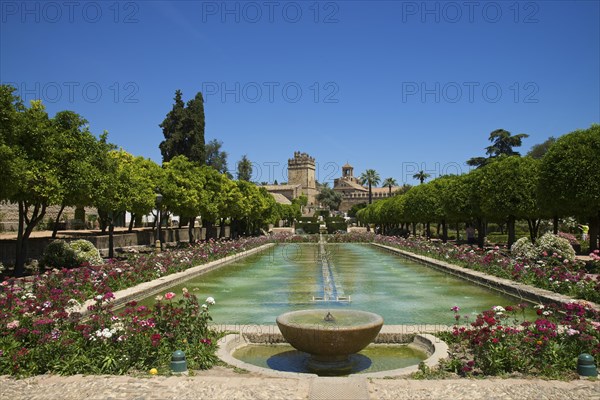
x=496, y=343
x=40, y=333
x=138, y=338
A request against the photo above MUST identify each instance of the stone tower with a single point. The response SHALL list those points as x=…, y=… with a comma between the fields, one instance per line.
x=301, y=171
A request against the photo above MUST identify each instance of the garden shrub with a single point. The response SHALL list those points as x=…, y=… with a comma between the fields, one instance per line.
x=570, y=237
x=333, y=227
x=307, y=219
x=523, y=248
x=550, y=244
x=58, y=254
x=136, y=338
x=499, y=342
x=310, y=227
x=86, y=252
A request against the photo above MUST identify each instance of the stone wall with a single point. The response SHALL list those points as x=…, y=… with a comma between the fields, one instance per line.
x=9, y=215
x=146, y=237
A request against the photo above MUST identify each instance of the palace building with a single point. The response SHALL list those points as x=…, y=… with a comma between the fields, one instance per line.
x=301, y=181
x=353, y=192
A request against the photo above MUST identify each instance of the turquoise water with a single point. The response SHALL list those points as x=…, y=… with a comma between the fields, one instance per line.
x=287, y=277
x=373, y=358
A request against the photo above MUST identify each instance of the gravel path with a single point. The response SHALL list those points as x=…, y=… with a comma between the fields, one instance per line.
x=221, y=383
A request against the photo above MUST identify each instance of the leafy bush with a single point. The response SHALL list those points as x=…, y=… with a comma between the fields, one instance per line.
x=310, y=227
x=136, y=338
x=523, y=248
x=570, y=237
x=497, y=343
x=86, y=252
x=307, y=219
x=333, y=227
x=58, y=254
x=550, y=244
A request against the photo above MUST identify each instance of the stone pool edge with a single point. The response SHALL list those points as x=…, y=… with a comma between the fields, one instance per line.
x=435, y=347
x=146, y=289
x=506, y=286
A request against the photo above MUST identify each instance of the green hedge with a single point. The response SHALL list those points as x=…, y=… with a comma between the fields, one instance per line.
x=333, y=227
x=334, y=219
x=324, y=213
x=307, y=219
x=309, y=227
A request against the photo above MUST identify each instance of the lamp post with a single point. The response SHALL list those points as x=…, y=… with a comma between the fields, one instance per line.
x=159, y=199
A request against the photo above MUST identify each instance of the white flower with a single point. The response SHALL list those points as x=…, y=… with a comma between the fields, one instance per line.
x=204, y=307
x=98, y=297
x=539, y=306
x=547, y=313
x=498, y=309
x=210, y=300
x=572, y=331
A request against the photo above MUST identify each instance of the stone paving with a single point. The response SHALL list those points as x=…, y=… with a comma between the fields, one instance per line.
x=223, y=383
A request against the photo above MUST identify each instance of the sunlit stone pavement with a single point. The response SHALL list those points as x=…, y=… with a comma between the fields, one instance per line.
x=224, y=383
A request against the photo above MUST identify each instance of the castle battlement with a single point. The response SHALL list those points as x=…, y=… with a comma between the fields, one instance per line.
x=301, y=159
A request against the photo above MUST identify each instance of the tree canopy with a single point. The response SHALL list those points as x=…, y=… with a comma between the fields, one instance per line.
x=503, y=143
x=183, y=129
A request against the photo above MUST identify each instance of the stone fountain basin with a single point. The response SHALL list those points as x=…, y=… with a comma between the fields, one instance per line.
x=349, y=333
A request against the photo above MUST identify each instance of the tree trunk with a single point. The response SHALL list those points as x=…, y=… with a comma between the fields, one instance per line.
x=534, y=226
x=209, y=231
x=457, y=232
x=437, y=230
x=55, y=228
x=480, y=232
x=103, y=218
x=428, y=230
x=555, y=224
x=370, y=194
x=511, y=230
x=111, y=231
x=191, y=225
x=444, y=231
x=414, y=229
x=25, y=228
x=594, y=232
x=222, y=228
x=131, y=222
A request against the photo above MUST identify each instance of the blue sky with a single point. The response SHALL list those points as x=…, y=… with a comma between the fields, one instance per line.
x=394, y=86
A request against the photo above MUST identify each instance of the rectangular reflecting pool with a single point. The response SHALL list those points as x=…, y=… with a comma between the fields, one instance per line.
x=287, y=277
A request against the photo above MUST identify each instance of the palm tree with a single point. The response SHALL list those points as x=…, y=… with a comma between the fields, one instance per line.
x=389, y=182
x=502, y=144
x=370, y=177
x=421, y=176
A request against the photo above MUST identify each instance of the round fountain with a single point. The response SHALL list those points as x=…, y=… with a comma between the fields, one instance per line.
x=329, y=337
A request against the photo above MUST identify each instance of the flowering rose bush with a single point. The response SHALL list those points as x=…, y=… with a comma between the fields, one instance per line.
x=40, y=332
x=50, y=340
x=523, y=248
x=553, y=244
x=498, y=342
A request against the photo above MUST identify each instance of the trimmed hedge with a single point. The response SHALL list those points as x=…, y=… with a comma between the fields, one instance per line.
x=307, y=219
x=309, y=227
x=333, y=227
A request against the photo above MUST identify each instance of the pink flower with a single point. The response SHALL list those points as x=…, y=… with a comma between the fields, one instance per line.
x=169, y=295
x=455, y=308
x=13, y=325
